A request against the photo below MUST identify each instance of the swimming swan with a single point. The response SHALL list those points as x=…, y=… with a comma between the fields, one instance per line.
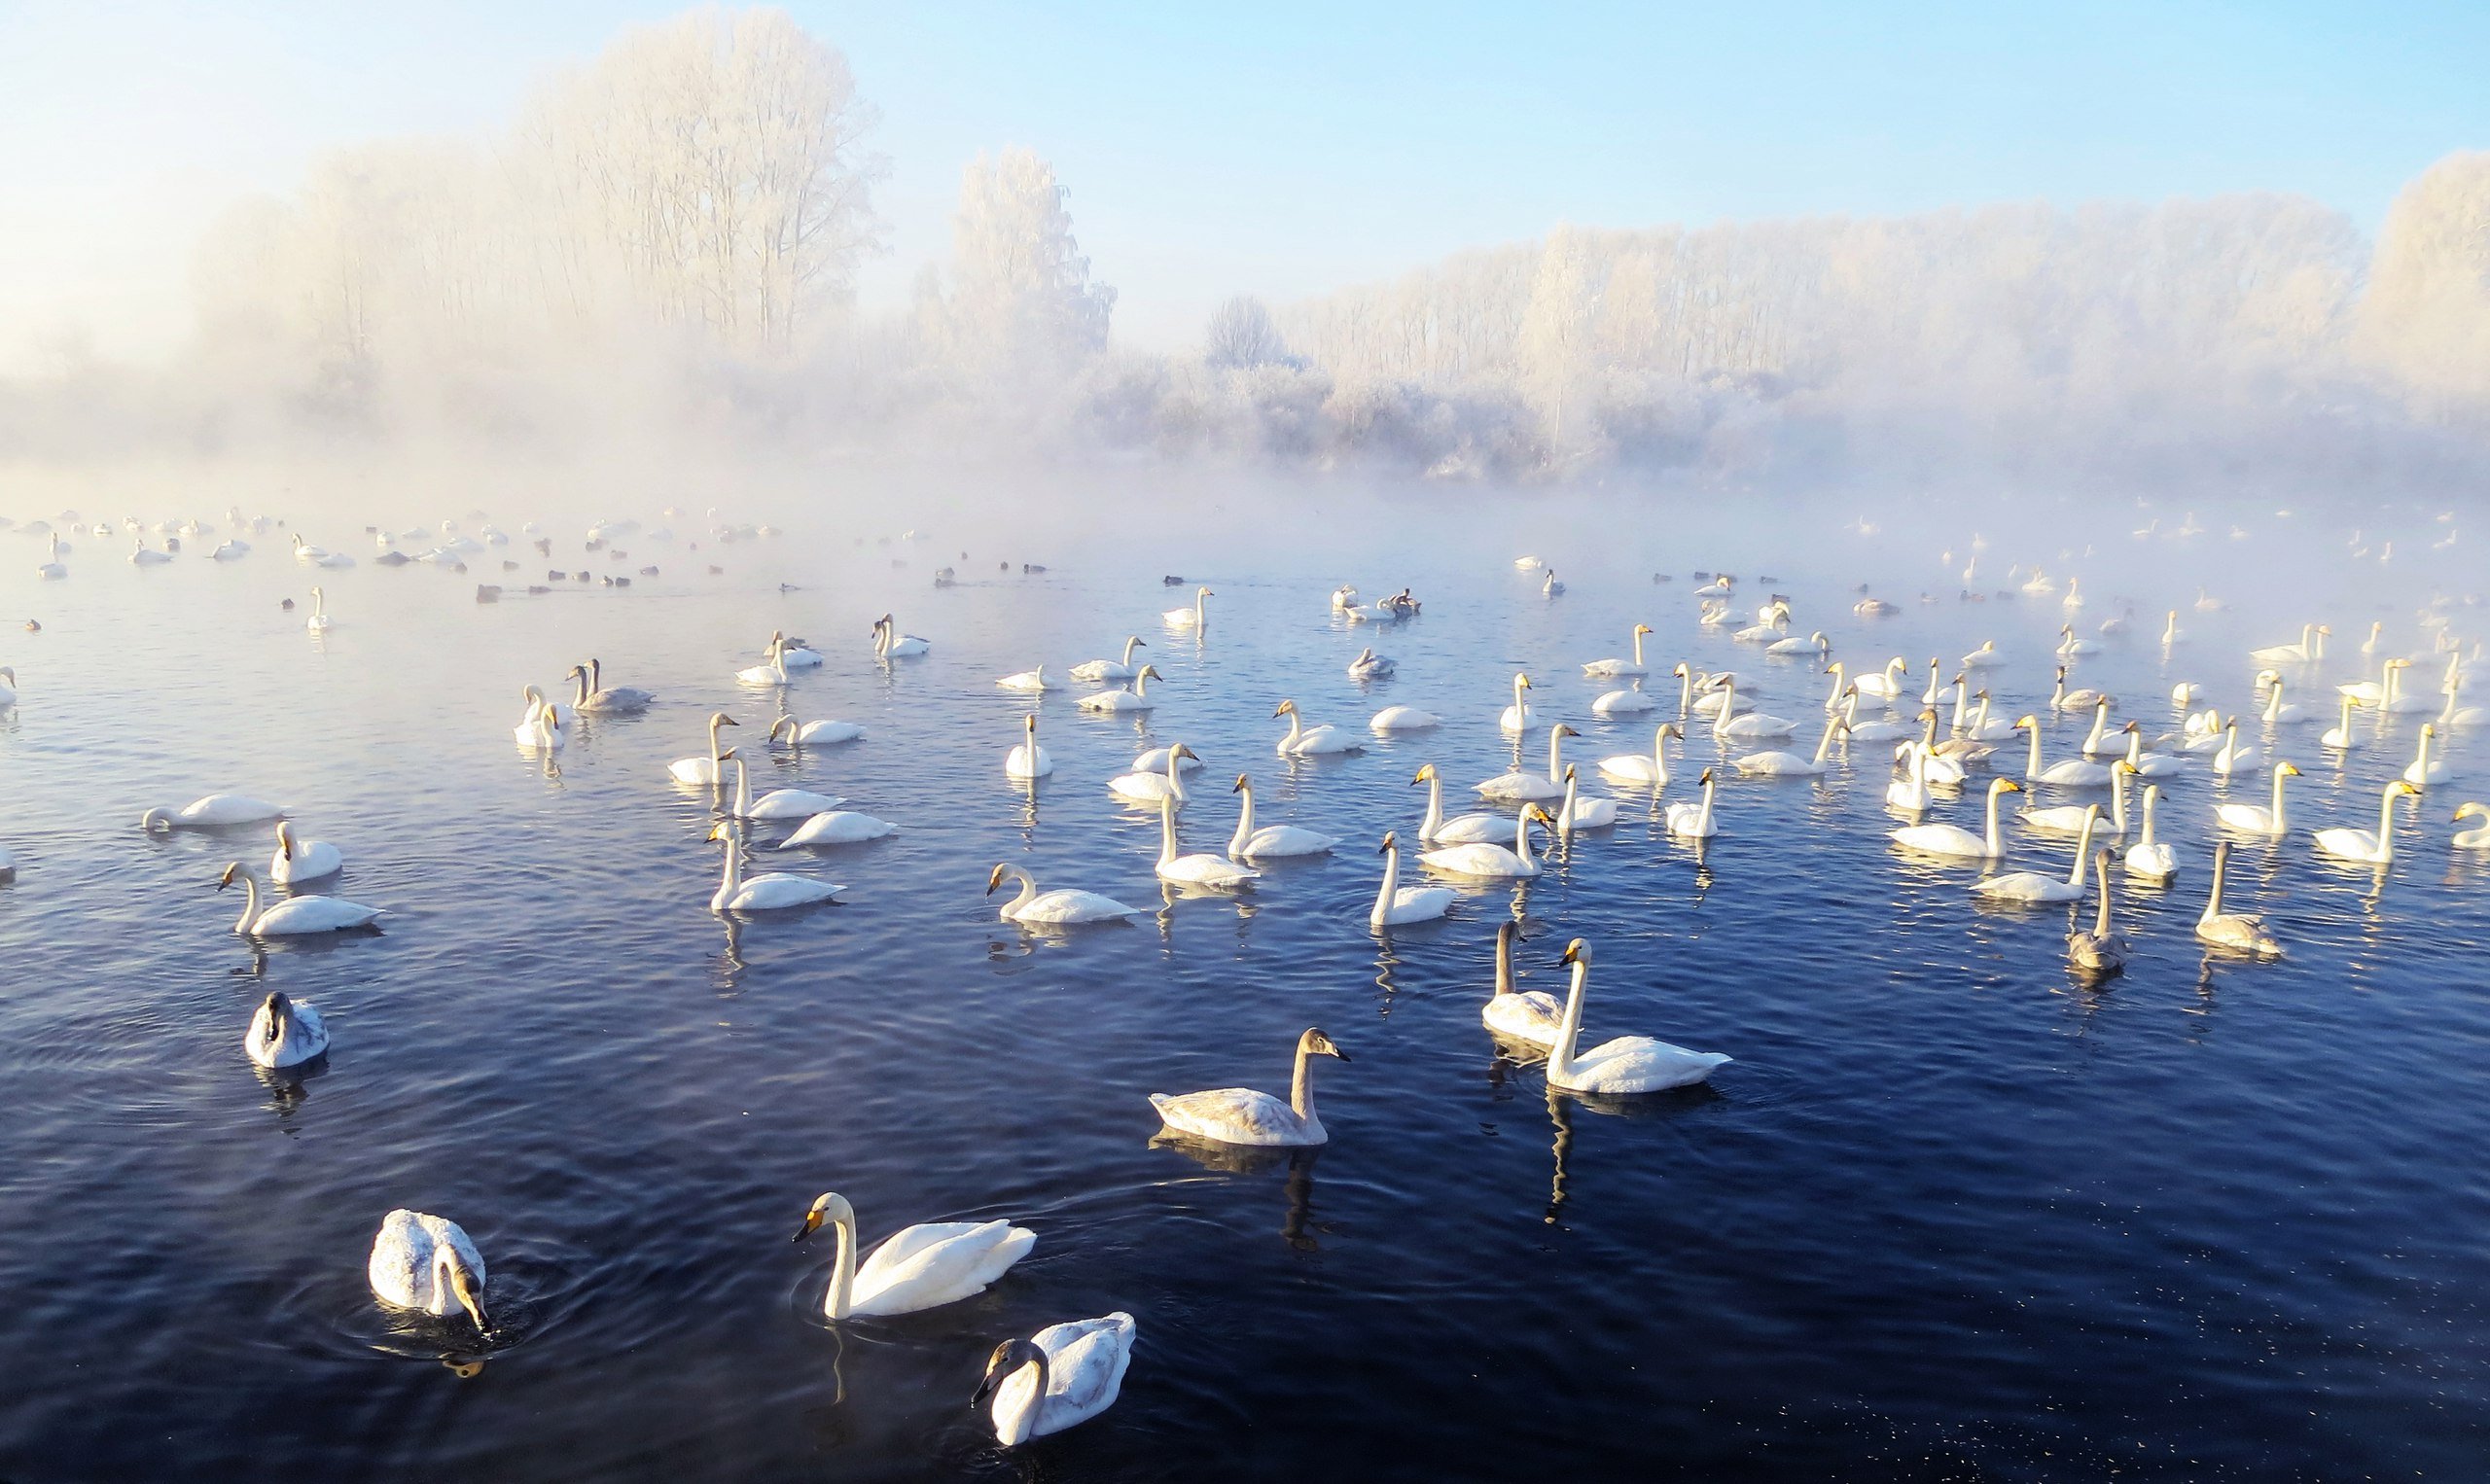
x=917, y=1267
x=839, y=827
x=890, y=643
x=1464, y=829
x=2243, y=930
x=1060, y=1378
x=1785, y=765
x=710, y=769
x=1061, y=908
x=1240, y=1115
x=1148, y=787
x=777, y=804
x=1945, y=839
x=1627, y=1064
x=1304, y=741
x=2069, y=772
x=1603, y=668
x=1532, y=1018
x=1580, y=813
x=2360, y=844
x=1396, y=904
x=1518, y=787
x=2102, y=950
x=594, y=699
x=284, y=1033
x=295, y=916
x=1494, y=862
x=2259, y=819
x=2035, y=886
x=301, y=860
x=1028, y=682
x=2472, y=840
x=1028, y=760
x=1110, y=670
x=768, y=892
x=214, y=811
x=1693, y=821
x=426, y=1263
x=1196, y=617
x=1138, y=698
x=1250, y=843
x=2149, y=856
x=1201, y=869
x=1392, y=719
x=1634, y=767
x=1517, y=718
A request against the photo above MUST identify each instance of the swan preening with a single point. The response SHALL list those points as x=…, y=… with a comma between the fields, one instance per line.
x=1056, y=908
x=292, y=916
x=301, y=860
x=1241, y=1116
x=1627, y=1064
x=916, y=1267
x=1059, y=1378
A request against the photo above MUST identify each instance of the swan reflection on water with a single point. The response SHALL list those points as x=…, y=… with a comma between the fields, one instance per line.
x=1295, y=1224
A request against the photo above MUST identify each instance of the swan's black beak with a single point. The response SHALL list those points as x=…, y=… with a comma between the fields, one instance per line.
x=812, y=1224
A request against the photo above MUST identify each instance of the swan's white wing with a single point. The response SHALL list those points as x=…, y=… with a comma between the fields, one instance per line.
x=1086, y=1363
x=1641, y=1064
x=1533, y=1015
x=1070, y=905
x=937, y=1262
x=1231, y=1116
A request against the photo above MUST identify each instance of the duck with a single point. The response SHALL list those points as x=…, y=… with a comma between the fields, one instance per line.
x=1196, y=618
x=1650, y=770
x=2102, y=950
x=1396, y=904
x=1059, y=1378
x=1028, y=760
x=284, y=1033
x=1028, y=682
x=213, y=812
x=301, y=860
x=595, y=698
x=2427, y=768
x=1517, y=718
x=1063, y=906
x=2259, y=819
x=777, y=804
x=1240, y=1116
x=802, y=734
x=1532, y=1018
x=293, y=916
x=1370, y=665
x=1392, y=719
x=1580, y=813
x=1617, y=668
x=1304, y=741
x=1110, y=670
x=1199, y=869
x=1138, y=698
x=422, y=1262
x=1948, y=839
x=1787, y=764
x=890, y=643
x=2378, y=849
x=2472, y=840
x=768, y=892
x=2311, y=646
x=2151, y=858
x=1491, y=861
x=2242, y=930
x=1463, y=829
x=1694, y=821
x=915, y=1268
x=2026, y=886
x=838, y=826
x=1624, y=1063
x=2068, y=772
x=710, y=769
x=1251, y=844
x=1518, y=785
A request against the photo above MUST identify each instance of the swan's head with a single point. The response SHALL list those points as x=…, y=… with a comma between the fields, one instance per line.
x=1673, y=729
x=1641, y=629
x=1426, y=772
x=1005, y=871
x=724, y=829
x=1147, y=672
x=829, y=1209
x=574, y=672
x=1563, y=730
x=2429, y=728
x=2286, y=770
x=1243, y=783
x=2402, y=786
x=1315, y=1043
x=1577, y=952
x=786, y=725
x=1284, y=708
x=1204, y=592
x=1705, y=779
x=720, y=718
x=1569, y=774
x=1836, y=668
x=1029, y=725
x=1925, y=715
x=1010, y=1358
x=2464, y=812
x=2061, y=675
x=1391, y=842
x=231, y=874
x=2123, y=765
x=2005, y=786
x=2325, y=629
x=1539, y=816
x=2024, y=722
x=462, y=1284
x=280, y=1012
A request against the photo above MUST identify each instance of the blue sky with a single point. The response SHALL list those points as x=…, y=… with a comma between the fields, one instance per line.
x=1277, y=148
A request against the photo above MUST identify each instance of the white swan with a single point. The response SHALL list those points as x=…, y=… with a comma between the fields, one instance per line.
x=2171, y=632
x=2397, y=701
x=1029, y=681
x=542, y=731
x=1392, y=719
x=1754, y=725
x=2070, y=645
x=2075, y=818
x=2069, y=772
x=293, y=916
x=1196, y=617
x=2427, y=768
x=1494, y=862
x=1463, y=829
x=1201, y=869
x=1627, y=1064
x=1517, y=718
x=284, y=1033
x=2097, y=742
x=838, y=826
x=1947, y=839
x=1532, y=1018
x=2360, y=845
x=1814, y=644
x=1304, y=741
x=1370, y=665
x=1909, y=793
x=1884, y=685
x=2472, y=840
x=53, y=569
x=1549, y=587
x=2149, y=766
x=2311, y=646
x=1250, y=843
x=1146, y=786
x=1395, y=903
x=1880, y=731
x=890, y=643
x=1787, y=764
x=2340, y=736
x=1138, y=698
x=1580, y=813
x=2243, y=930
x=2259, y=819
x=2149, y=857
x=1983, y=658
x=777, y=804
x=773, y=670
x=2233, y=761
x=917, y=1267
x=813, y=733
x=1650, y=770
x=1605, y=668
x=141, y=555
x=1110, y=670
x=1694, y=821
x=301, y=860
x=1060, y=1378
x=426, y=1263
x=1060, y=907
x=1517, y=786
x=1028, y=760
x=705, y=770
x=2276, y=711
x=2373, y=693
x=318, y=623
x=214, y=811
x=768, y=892
x=2034, y=887
x=1240, y=1115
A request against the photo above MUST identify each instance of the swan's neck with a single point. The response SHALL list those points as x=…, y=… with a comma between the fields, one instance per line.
x=2386, y=827
x=1201, y=614
x=1434, y=821
x=1961, y=702
x=1244, y=818
x=731, y=878
x=1560, y=1056
x=2279, y=776
x=2422, y=762
x=1706, y=816
x=2032, y=769
x=1130, y=642
x=1686, y=694
x=743, y=787
x=1638, y=649
x=1166, y=832
x=2082, y=853
x=250, y=905
x=1383, y=899
x=1293, y=730
x=1928, y=735
x=1833, y=702
x=1522, y=837
x=2151, y=798
x=580, y=696
x=1555, y=755
x=1016, y=1405
x=714, y=761
x=2100, y=725
x=1140, y=685
x=1301, y=1087
x=1995, y=845
x=2274, y=703
x=2212, y=899
x=842, y=1276
x=1823, y=744
x=1503, y=965
x=1028, y=891
x=1660, y=757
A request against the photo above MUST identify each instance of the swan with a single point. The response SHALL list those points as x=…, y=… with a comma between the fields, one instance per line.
x=1304, y=741
x=1030, y=682
x=768, y=892
x=2069, y=772
x=2207, y=603
x=1910, y=793
x=2082, y=698
x=1149, y=788
x=838, y=826
x=2233, y=761
x=1885, y=685
x=1785, y=764
x=1772, y=622
x=1580, y=813
x=2034, y=887
x=1237, y=1115
x=2149, y=856
x=1713, y=614
x=917, y=1267
x=1370, y=665
x=542, y=731
x=1494, y=862
x=1753, y=724
x=1944, y=839
x=1517, y=718
x=2427, y=769
x=1395, y=903
x=2171, y=632
x=1135, y=699
x=319, y=621
x=213, y=812
x=1636, y=768
x=2069, y=644
x=1392, y=719
x=1814, y=644
x=1464, y=829
x=1056, y=908
x=2373, y=693
x=2311, y=646
x=1518, y=787
x=305, y=553
x=2096, y=742
x=890, y=643
x=2276, y=712
x=2102, y=950
x=2074, y=596
x=795, y=654
x=141, y=556
x=1627, y=1064
x=1343, y=598
x=1532, y=1018
x=2455, y=716
x=1110, y=670
x=1196, y=617
x=1155, y=761
x=1200, y=869
x=2396, y=700
x=621, y=700
x=2073, y=819
x=772, y=671
x=2360, y=844
x=293, y=916
x=564, y=712
x=2157, y=766
x=423, y=1263
x=1062, y=1377
x=1630, y=701
x=1550, y=587
x=813, y=733
x=2233, y=930
x=1028, y=760
x=53, y=569
x=2259, y=819
x=777, y=804
x=2186, y=693
x=1614, y=668
x=1985, y=728
x=1694, y=821
x=284, y=1033
x=2472, y=840
x=301, y=860
x=1984, y=657
x=708, y=770
x=1252, y=844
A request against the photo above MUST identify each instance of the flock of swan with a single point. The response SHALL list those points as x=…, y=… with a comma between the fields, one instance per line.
x=1930, y=729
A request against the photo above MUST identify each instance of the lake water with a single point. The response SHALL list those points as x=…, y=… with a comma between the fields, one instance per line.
x=1950, y=1214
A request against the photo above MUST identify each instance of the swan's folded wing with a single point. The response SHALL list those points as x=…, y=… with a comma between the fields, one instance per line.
x=1237, y=1115
x=1086, y=1359
x=944, y=1258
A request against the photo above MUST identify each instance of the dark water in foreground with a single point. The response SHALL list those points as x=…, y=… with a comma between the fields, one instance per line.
x=1948, y=1215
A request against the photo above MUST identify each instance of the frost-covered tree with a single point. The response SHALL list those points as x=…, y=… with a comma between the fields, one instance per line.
x=1242, y=335
x=1021, y=307
x=2427, y=313
x=1556, y=336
